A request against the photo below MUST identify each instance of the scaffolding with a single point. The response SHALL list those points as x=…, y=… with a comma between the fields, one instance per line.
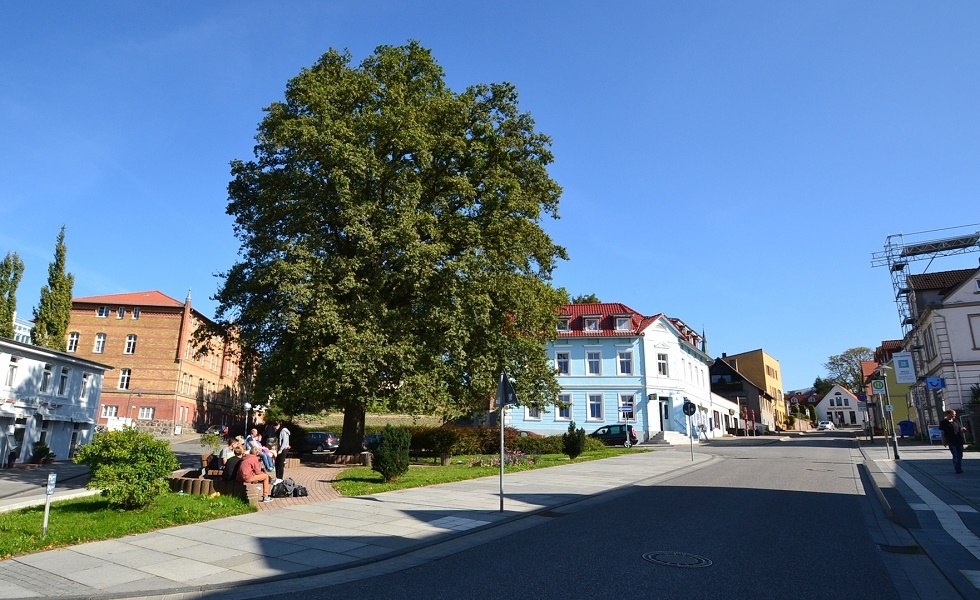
x=898, y=253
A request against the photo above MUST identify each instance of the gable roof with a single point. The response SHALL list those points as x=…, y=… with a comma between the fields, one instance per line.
x=941, y=280
x=150, y=298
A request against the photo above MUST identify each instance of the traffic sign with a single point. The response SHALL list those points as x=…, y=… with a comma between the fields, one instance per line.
x=888, y=408
x=689, y=408
x=878, y=386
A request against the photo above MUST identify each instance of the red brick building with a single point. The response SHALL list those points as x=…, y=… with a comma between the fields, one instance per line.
x=158, y=383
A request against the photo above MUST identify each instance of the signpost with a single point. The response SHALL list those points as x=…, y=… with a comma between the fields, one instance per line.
x=689, y=410
x=505, y=397
x=52, y=480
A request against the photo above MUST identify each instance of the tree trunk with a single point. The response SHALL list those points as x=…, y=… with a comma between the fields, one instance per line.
x=352, y=437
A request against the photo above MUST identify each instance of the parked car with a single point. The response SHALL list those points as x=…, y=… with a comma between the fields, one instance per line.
x=527, y=433
x=615, y=435
x=371, y=440
x=825, y=426
x=318, y=441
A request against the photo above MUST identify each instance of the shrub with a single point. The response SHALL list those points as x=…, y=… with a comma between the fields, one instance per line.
x=131, y=468
x=41, y=452
x=543, y=445
x=212, y=441
x=593, y=445
x=391, y=453
x=573, y=442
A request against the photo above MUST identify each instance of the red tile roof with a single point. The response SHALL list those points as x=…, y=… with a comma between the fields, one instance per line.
x=939, y=281
x=607, y=313
x=150, y=298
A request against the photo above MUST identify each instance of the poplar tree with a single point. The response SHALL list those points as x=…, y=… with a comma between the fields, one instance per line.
x=53, y=313
x=11, y=271
x=392, y=256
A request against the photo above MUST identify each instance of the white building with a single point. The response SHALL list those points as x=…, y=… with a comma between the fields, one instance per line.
x=944, y=340
x=46, y=396
x=841, y=406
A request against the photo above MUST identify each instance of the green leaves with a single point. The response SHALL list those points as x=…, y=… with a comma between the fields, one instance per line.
x=392, y=254
x=130, y=467
x=53, y=313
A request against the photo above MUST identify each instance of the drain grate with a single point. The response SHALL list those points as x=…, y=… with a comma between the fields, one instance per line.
x=677, y=559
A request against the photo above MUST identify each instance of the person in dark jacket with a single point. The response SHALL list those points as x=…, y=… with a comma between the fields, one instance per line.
x=953, y=438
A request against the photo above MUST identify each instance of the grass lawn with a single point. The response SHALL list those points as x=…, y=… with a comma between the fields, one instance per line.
x=362, y=481
x=89, y=519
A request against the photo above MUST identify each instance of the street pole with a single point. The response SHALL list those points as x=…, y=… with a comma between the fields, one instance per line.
x=891, y=417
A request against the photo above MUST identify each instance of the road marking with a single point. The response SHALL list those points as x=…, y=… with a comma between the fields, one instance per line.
x=945, y=513
x=960, y=508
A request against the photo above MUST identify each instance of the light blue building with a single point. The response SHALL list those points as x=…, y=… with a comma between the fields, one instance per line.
x=615, y=365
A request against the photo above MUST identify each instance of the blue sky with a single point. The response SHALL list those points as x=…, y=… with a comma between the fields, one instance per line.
x=733, y=164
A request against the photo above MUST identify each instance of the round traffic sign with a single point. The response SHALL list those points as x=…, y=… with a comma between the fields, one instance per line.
x=689, y=408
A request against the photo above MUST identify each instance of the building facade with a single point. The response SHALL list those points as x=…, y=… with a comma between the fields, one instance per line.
x=764, y=371
x=753, y=404
x=46, y=396
x=842, y=407
x=944, y=341
x=161, y=382
x=615, y=365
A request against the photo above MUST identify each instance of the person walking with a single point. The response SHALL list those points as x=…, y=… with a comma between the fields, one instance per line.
x=282, y=435
x=953, y=438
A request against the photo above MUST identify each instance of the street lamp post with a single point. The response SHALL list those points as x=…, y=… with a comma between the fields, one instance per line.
x=247, y=408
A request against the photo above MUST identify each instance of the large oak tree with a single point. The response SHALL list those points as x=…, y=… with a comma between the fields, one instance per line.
x=392, y=256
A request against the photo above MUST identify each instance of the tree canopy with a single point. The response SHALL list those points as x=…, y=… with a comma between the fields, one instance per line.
x=586, y=299
x=845, y=368
x=53, y=313
x=392, y=256
x=11, y=271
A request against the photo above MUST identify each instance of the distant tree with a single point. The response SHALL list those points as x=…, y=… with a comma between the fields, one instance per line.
x=586, y=299
x=11, y=270
x=821, y=386
x=52, y=315
x=392, y=255
x=845, y=368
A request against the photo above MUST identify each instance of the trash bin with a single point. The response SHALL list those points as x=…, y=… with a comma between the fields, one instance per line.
x=906, y=428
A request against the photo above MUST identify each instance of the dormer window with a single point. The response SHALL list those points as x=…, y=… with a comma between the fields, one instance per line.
x=563, y=324
x=590, y=324
x=622, y=323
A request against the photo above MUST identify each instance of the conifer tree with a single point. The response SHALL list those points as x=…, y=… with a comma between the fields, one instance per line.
x=52, y=315
x=11, y=270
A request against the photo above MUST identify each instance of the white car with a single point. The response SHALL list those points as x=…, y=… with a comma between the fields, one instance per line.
x=825, y=425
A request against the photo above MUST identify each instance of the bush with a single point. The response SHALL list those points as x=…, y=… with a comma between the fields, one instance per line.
x=441, y=441
x=542, y=445
x=593, y=445
x=573, y=442
x=131, y=468
x=41, y=452
x=391, y=453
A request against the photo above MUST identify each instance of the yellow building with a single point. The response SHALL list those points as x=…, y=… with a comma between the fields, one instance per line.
x=764, y=371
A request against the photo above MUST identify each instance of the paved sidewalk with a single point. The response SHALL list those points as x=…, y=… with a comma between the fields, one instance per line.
x=316, y=537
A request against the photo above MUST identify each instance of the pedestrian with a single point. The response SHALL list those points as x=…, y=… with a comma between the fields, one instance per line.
x=282, y=435
x=953, y=438
x=250, y=471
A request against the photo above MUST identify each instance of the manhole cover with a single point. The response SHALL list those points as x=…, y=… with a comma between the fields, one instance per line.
x=677, y=559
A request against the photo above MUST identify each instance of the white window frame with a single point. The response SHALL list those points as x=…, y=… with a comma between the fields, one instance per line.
x=12, y=371
x=532, y=413
x=73, y=338
x=622, y=323
x=130, y=344
x=563, y=325
x=590, y=323
x=46, y=377
x=627, y=400
x=563, y=359
x=589, y=360
x=125, y=378
x=102, y=312
x=146, y=413
x=663, y=364
x=565, y=399
x=627, y=357
x=98, y=347
x=121, y=312
x=136, y=313
x=108, y=410
x=86, y=381
x=594, y=400
x=63, y=381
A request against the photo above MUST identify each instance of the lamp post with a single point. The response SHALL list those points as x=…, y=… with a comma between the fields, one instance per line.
x=891, y=413
x=247, y=408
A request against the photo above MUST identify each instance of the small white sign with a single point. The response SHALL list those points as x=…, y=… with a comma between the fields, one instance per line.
x=52, y=479
x=888, y=408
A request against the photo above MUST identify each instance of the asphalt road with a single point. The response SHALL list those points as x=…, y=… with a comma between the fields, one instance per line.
x=775, y=521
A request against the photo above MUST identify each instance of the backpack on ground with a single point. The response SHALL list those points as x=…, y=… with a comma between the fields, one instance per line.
x=283, y=489
x=300, y=491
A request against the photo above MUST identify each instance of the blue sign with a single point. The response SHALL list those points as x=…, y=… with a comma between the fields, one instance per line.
x=935, y=383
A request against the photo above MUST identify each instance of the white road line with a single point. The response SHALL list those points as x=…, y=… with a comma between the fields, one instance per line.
x=945, y=513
